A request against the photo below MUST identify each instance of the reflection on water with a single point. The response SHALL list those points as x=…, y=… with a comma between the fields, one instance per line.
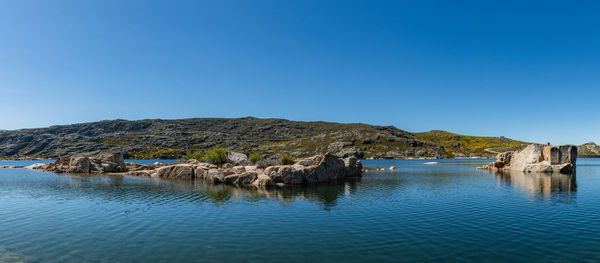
x=446, y=212
x=561, y=187
x=323, y=194
x=158, y=191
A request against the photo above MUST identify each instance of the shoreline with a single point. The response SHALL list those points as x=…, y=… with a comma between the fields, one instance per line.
x=410, y=158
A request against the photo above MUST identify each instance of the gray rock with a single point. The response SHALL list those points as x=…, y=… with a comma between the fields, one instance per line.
x=182, y=171
x=538, y=158
x=237, y=158
x=215, y=176
x=79, y=165
x=238, y=169
x=316, y=169
x=350, y=152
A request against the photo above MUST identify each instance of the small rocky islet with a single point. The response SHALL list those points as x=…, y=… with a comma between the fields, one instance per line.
x=311, y=170
x=537, y=158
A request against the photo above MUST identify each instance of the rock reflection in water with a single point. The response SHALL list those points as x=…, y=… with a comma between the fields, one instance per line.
x=326, y=194
x=556, y=186
x=163, y=191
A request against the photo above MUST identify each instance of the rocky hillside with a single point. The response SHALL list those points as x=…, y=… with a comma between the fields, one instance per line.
x=270, y=137
x=589, y=149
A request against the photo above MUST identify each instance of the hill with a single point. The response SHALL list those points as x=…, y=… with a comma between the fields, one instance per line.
x=589, y=149
x=157, y=138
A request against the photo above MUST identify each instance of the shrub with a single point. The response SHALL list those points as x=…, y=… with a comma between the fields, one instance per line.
x=254, y=157
x=287, y=159
x=197, y=155
x=215, y=155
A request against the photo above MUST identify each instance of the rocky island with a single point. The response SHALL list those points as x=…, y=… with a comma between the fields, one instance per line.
x=316, y=169
x=537, y=158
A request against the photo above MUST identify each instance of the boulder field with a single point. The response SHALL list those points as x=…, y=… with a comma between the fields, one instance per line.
x=537, y=158
x=316, y=169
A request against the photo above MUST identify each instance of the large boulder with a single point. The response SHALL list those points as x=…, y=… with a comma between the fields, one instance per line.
x=237, y=158
x=537, y=158
x=532, y=154
x=175, y=171
x=108, y=163
x=316, y=169
x=79, y=165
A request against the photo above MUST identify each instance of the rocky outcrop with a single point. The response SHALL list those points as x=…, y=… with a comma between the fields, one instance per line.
x=316, y=169
x=537, y=158
x=104, y=163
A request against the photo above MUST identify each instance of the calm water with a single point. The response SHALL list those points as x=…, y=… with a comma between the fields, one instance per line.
x=449, y=212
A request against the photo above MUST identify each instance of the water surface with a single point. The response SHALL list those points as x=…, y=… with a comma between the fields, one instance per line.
x=448, y=212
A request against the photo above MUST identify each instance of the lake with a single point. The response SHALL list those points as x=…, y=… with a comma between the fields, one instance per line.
x=446, y=212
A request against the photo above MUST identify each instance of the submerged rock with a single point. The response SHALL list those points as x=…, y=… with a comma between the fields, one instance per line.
x=537, y=158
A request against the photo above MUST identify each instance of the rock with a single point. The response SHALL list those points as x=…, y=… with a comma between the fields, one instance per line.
x=175, y=171
x=392, y=167
x=353, y=167
x=105, y=163
x=263, y=180
x=111, y=162
x=227, y=172
x=541, y=167
x=237, y=158
x=350, y=152
x=79, y=165
x=215, y=176
x=143, y=173
x=537, y=158
x=136, y=167
x=310, y=161
x=504, y=157
x=241, y=179
x=8, y=166
x=37, y=166
x=200, y=172
x=336, y=146
x=238, y=169
x=250, y=168
x=316, y=169
x=193, y=161
x=566, y=168
x=530, y=155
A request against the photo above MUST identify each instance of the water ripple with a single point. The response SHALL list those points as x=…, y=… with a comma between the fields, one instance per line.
x=443, y=213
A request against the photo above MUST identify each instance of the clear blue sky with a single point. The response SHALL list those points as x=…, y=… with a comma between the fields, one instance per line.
x=528, y=70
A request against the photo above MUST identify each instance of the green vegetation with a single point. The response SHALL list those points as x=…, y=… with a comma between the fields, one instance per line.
x=195, y=155
x=154, y=152
x=215, y=155
x=287, y=159
x=455, y=144
x=254, y=157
